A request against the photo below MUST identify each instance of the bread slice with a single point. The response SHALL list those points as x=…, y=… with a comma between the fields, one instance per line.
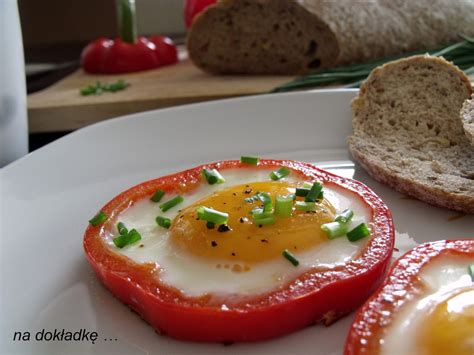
x=292, y=37
x=467, y=115
x=408, y=133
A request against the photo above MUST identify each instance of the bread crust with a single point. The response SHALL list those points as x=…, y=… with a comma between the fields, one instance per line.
x=467, y=116
x=408, y=133
x=293, y=37
x=260, y=37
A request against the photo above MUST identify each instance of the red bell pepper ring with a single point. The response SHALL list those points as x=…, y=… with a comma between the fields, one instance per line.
x=128, y=53
x=314, y=296
x=194, y=7
x=401, y=285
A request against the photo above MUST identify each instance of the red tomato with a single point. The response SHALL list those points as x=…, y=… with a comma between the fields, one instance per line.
x=194, y=7
x=313, y=297
x=401, y=285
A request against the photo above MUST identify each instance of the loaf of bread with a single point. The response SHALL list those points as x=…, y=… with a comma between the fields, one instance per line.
x=408, y=133
x=467, y=116
x=288, y=36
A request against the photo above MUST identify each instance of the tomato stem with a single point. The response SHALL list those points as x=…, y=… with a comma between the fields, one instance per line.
x=127, y=20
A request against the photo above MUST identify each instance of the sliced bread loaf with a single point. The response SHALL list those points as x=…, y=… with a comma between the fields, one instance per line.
x=260, y=37
x=467, y=115
x=408, y=133
x=290, y=37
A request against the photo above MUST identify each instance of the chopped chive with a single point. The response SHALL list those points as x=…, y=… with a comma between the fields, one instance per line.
x=307, y=185
x=212, y=176
x=358, y=232
x=261, y=214
x=210, y=225
x=301, y=192
x=157, y=196
x=314, y=192
x=345, y=216
x=266, y=200
x=256, y=210
x=290, y=257
x=171, y=203
x=121, y=228
x=280, y=173
x=98, y=219
x=305, y=206
x=334, y=229
x=249, y=160
x=471, y=271
x=126, y=239
x=210, y=215
x=264, y=218
x=283, y=206
x=251, y=199
x=163, y=222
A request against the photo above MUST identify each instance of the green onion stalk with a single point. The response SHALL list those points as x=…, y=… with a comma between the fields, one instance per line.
x=461, y=54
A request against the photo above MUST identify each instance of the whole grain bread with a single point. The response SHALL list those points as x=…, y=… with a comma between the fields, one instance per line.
x=408, y=133
x=467, y=116
x=288, y=36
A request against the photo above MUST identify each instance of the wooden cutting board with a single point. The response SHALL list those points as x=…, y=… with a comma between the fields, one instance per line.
x=60, y=107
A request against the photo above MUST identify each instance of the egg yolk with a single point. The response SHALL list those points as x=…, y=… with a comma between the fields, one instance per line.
x=449, y=328
x=244, y=240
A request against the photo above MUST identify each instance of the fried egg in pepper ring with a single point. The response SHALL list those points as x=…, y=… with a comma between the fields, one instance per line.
x=425, y=306
x=263, y=269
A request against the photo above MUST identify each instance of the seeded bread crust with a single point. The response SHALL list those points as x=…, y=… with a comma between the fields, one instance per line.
x=292, y=37
x=408, y=133
x=467, y=115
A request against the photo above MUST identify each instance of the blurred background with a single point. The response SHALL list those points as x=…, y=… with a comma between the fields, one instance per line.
x=55, y=31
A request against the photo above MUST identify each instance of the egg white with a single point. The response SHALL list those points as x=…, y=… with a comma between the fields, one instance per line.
x=442, y=277
x=196, y=276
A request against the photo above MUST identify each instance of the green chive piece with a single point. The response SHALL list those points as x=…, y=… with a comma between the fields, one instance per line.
x=307, y=185
x=314, y=192
x=98, y=88
x=249, y=160
x=301, y=192
x=290, y=257
x=256, y=210
x=210, y=225
x=121, y=228
x=266, y=200
x=98, y=219
x=210, y=215
x=157, y=196
x=171, y=203
x=334, y=229
x=358, y=232
x=260, y=214
x=345, y=216
x=212, y=176
x=283, y=206
x=471, y=271
x=264, y=218
x=305, y=206
x=163, y=222
x=126, y=239
x=252, y=199
x=280, y=173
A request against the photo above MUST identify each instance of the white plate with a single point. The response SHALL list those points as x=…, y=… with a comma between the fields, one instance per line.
x=48, y=196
